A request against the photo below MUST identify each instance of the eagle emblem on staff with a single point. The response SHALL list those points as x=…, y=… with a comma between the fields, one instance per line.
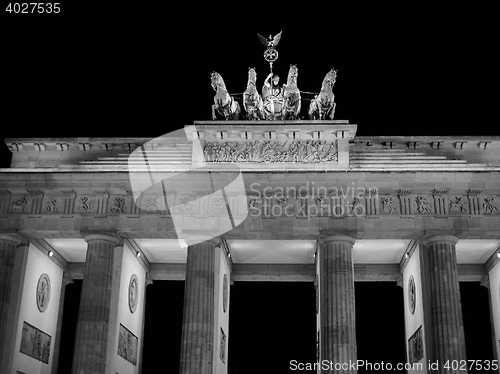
x=270, y=54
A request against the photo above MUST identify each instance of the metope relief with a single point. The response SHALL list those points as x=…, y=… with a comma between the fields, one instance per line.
x=117, y=205
x=423, y=204
x=388, y=205
x=20, y=205
x=490, y=205
x=51, y=206
x=85, y=204
x=458, y=204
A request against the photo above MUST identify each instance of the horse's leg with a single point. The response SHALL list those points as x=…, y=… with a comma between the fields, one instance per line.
x=320, y=111
x=299, y=106
x=312, y=108
x=261, y=114
x=284, y=110
x=237, y=109
x=214, y=107
x=332, y=113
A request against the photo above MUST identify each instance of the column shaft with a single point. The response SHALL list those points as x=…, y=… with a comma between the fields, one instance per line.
x=8, y=244
x=95, y=306
x=446, y=329
x=338, y=314
x=198, y=316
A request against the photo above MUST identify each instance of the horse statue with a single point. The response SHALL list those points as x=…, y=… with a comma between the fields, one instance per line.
x=291, y=96
x=323, y=106
x=252, y=101
x=224, y=104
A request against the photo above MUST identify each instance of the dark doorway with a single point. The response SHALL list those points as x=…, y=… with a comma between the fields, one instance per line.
x=477, y=324
x=380, y=325
x=271, y=324
x=163, y=327
x=68, y=329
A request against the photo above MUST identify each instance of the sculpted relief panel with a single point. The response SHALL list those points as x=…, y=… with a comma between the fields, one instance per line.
x=271, y=151
x=35, y=343
x=301, y=202
x=338, y=203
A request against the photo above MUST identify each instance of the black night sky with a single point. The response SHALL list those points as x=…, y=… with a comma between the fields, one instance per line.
x=144, y=69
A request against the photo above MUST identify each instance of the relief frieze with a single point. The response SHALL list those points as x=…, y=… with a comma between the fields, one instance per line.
x=271, y=151
x=269, y=203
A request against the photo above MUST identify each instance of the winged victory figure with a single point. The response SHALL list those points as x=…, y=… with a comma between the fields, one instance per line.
x=272, y=42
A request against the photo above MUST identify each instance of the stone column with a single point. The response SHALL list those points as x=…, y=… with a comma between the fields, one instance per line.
x=337, y=307
x=92, y=329
x=198, y=315
x=8, y=245
x=446, y=330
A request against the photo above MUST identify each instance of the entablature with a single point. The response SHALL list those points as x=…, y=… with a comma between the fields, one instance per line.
x=274, y=146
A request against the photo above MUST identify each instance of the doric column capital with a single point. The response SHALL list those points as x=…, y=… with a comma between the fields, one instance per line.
x=203, y=239
x=337, y=238
x=66, y=279
x=149, y=280
x=433, y=239
x=90, y=236
x=11, y=237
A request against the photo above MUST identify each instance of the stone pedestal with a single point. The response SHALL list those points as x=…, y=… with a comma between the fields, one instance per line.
x=446, y=330
x=337, y=309
x=92, y=332
x=198, y=316
x=8, y=244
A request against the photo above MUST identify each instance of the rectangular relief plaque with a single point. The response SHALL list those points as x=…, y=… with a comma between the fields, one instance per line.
x=416, y=347
x=35, y=343
x=222, y=353
x=127, y=345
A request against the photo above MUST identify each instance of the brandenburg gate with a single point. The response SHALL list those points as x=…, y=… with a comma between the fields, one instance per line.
x=224, y=201
x=257, y=193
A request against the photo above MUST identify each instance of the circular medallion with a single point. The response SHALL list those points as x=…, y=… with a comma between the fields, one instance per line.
x=270, y=54
x=412, y=294
x=43, y=292
x=133, y=293
x=224, y=293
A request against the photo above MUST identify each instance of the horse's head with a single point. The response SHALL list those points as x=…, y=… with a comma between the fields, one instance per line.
x=330, y=77
x=292, y=74
x=252, y=75
x=216, y=80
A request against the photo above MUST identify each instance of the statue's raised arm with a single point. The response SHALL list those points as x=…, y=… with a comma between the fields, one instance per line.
x=266, y=88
